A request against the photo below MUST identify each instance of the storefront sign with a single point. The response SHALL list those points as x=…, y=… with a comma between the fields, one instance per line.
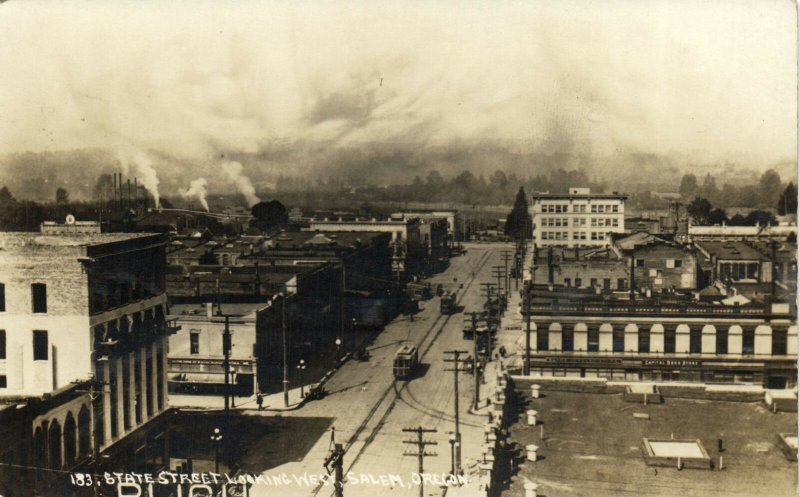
x=584, y=360
x=670, y=362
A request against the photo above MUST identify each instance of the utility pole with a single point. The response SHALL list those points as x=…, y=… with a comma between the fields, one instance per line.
x=341, y=306
x=420, y=453
x=498, y=273
x=506, y=257
x=285, y=354
x=226, y=365
x=526, y=368
x=336, y=460
x=475, y=368
x=456, y=362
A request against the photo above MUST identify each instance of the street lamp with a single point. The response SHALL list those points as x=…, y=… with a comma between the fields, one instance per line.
x=216, y=439
x=300, y=368
x=338, y=349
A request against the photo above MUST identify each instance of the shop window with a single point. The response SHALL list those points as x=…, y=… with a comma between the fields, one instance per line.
x=194, y=343
x=620, y=284
x=3, y=381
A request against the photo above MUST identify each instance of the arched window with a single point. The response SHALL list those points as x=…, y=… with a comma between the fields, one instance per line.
x=70, y=442
x=54, y=444
x=84, y=432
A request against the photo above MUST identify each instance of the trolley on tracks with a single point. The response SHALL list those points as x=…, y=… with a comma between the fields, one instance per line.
x=405, y=361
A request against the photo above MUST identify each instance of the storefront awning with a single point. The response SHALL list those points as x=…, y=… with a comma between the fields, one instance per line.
x=208, y=378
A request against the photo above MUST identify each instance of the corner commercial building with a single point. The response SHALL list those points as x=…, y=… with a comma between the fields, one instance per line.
x=83, y=350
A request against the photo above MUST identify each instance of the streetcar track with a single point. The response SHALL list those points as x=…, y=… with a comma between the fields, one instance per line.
x=393, y=387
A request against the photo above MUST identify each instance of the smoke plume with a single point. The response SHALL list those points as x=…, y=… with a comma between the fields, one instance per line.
x=138, y=164
x=233, y=171
x=197, y=189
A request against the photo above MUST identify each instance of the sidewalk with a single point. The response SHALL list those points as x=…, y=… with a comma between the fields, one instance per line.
x=512, y=326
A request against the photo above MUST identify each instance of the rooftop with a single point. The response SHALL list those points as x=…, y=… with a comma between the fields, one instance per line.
x=200, y=310
x=732, y=250
x=10, y=240
x=592, y=447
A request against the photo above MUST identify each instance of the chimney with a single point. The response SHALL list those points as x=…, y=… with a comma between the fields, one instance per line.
x=209, y=310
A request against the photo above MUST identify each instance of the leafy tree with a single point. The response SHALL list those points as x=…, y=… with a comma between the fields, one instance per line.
x=717, y=216
x=787, y=202
x=518, y=221
x=737, y=220
x=762, y=218
x=269, y=215
x=699, y=210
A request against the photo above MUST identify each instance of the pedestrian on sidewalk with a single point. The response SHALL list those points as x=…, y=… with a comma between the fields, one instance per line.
x=260, y=401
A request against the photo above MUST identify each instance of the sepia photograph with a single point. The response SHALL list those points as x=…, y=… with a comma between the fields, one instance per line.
x=433, y=248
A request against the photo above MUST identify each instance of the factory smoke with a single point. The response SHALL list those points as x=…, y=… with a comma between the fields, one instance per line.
x=317, y=91
x=233, y=172
x=137, y=163
x=197, y=189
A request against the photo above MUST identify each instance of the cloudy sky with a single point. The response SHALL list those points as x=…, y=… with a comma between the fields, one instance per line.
x=713, y=78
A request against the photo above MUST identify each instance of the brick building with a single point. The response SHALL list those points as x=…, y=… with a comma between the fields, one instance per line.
x=581, y=334
x=654, y=264
x=81, y=314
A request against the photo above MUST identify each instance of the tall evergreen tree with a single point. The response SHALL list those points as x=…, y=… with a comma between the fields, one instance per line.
x=518, y=221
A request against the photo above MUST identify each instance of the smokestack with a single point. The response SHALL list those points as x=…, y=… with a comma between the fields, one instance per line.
x=114, y=193
x=129, y=194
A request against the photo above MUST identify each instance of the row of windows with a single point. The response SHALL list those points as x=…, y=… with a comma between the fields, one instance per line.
x=593, y=282
x=597, y=208
x=643, y=341
x=194, y=343
x=38, y=298
x=578, y=235
x=669, y=263
x=40, y=345
x=578, y=221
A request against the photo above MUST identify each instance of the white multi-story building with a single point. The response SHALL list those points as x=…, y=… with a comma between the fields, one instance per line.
x=83, y=346
x=578, y=218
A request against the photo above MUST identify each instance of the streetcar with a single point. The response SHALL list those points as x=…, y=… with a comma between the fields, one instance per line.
x=405, y=362
x=448, y=303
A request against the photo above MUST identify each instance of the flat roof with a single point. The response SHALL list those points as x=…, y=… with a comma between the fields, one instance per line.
x=594, y=447
x=200, y=309
x=16, y=238
x=733, y=250
x=572, y=196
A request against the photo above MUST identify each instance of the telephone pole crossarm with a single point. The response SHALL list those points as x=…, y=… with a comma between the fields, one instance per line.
x=421, y=453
